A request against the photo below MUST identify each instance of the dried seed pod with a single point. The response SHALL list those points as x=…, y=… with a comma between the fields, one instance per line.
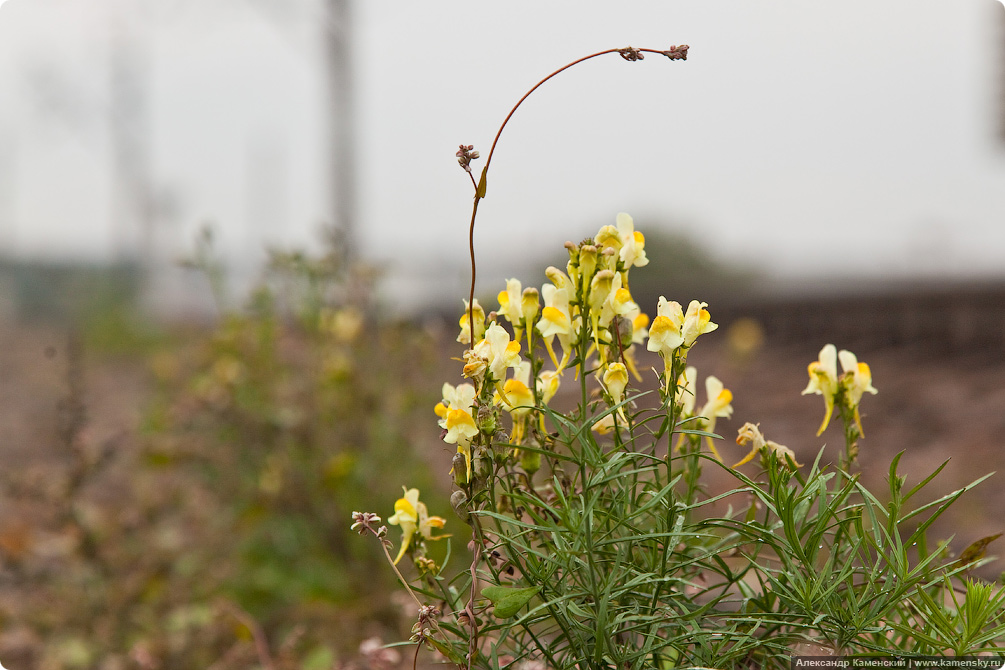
x=459, y=501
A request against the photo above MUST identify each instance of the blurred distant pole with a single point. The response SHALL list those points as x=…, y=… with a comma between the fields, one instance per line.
x=1000, y=36
x=342, y=151
x=132, y=220
x=8, y=197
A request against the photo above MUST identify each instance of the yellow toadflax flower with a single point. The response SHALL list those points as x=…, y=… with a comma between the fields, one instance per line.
x=608, y=237
x=615, y=381
x=479, y=315
x=716, y=406
x=686, y=396
x=857, y=380
x=511, y=304
x=752, y=433
x=457, y=420
x=516, y=398
x=556, y=317
x=503, y=352
x=633, y=243
x=604, y=283
x=494, y=354
x=604, y=425
x=697, y=321
x=413, y=517
x=664, y=333
x=823, y=381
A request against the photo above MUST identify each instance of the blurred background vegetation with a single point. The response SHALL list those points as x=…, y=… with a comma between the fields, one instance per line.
x=219, y=511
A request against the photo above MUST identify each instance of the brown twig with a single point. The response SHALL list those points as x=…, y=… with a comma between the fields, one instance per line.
x=257, y=634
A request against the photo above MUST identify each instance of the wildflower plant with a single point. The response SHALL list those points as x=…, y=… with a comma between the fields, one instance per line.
x=595, y=540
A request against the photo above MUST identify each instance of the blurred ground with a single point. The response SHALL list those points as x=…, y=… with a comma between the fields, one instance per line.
x=939, y=398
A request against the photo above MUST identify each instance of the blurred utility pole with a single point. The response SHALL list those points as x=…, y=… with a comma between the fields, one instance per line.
x=342, y=152
x=8, y=197
x=132, y=218
x=999, y=34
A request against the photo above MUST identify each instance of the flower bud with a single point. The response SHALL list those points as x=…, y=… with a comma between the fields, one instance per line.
x=460, y=469
x=587, y=263
x=488, y=423
x=530, y=305
x=600, y=288
x=530, y=461
x=608, y=259
x=608, y=238
x=625, y=330
x=481, y=468
x=459, y=501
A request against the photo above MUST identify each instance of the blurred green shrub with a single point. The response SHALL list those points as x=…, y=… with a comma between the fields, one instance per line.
x=290, y=414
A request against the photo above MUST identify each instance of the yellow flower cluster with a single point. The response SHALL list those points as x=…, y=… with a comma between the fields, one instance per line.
x=846, y=390
x=413, y=517
x=584, y=309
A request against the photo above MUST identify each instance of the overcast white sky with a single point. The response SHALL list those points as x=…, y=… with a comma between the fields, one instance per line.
x=854, y=137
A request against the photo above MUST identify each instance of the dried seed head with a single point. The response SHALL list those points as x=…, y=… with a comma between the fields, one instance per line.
x=465, y=154
x=677, y=52
x=631, y=54
x=364, y=522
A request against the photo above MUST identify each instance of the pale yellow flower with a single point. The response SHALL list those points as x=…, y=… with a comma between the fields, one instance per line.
x=461, y=429
x=600, y=289
x=604, y=425
x=413, y=517
x=752, y=433
x=556, y=319
x=516, y=398
x=633, y=243
x=479, y=316
x=502, y=352
x=861, y=377
x=640, y=327
x=618, y=303
x=560, y=279
x=476, y=361
x=857, y=380
x=665, y=331
x=530, y=305
x=823, y=381
x=547, y=385
x=686, y=396
x=615, y=381
x=608, y=237
x=717, y=405
x=587, y=265
x=511, y=303
x=457, y=420
x=461, y=396
x=697, y=321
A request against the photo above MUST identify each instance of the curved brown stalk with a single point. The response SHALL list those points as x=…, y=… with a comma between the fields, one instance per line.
x=629, y=54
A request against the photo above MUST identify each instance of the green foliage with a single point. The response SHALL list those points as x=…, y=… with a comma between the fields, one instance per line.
x=608, y=549
x=291, y=413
